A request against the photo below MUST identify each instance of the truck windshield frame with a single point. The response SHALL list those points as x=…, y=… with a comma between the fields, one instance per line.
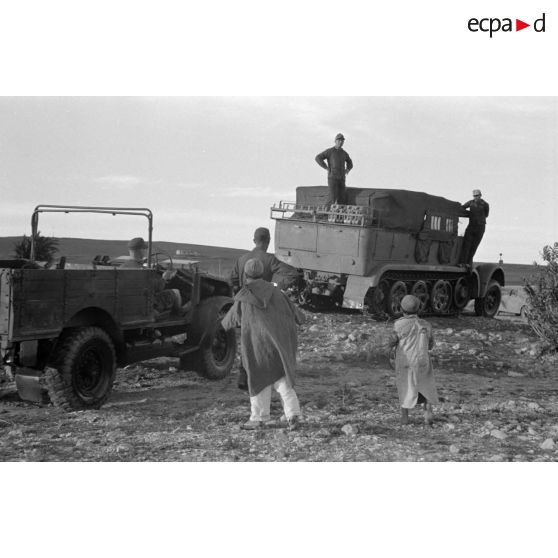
x=137, y=211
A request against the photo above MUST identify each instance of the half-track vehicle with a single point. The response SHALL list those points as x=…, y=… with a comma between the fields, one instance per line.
x=380, y=246
x=64, y=330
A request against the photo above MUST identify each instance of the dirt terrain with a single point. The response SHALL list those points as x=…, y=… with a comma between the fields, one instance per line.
x=498, y=402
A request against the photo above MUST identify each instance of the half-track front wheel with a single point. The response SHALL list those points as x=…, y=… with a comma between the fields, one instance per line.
x=376, y=298
x=488, y=305
x=84, y=370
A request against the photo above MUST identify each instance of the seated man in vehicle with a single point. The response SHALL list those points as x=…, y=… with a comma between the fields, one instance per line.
x=137, y=248
x=167, y=301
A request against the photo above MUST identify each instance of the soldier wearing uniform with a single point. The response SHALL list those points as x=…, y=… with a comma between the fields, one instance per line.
x=137, y=248
x=477, y=211
x=273, y=270
x=338, y=165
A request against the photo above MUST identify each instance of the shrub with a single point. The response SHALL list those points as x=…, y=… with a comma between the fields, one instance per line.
x=45, y=248
x=542, y=289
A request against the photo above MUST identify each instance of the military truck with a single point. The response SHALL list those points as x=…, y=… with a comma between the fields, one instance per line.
x=65, y=329
x=380, y=246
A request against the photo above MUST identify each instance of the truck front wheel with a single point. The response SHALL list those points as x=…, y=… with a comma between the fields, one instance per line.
x=215, y=357
x=84, y=370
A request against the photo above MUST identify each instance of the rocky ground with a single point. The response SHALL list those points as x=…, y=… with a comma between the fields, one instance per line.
x=498, y=402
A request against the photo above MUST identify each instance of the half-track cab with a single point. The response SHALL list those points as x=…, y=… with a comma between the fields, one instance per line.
x=380, y=246
x=67, y=328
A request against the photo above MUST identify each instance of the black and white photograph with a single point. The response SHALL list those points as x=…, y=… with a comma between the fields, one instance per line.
x=235, y=279
x=307, y=249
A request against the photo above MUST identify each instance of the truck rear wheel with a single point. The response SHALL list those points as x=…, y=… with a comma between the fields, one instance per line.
x=488, y=305
x=84, y=371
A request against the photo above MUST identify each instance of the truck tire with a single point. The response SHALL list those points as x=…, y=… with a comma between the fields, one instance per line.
x=488, y=305
x=84, y=370
x=215, y=357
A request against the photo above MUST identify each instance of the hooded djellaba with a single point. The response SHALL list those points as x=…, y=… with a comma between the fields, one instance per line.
x=268, y=338
x=413, y=365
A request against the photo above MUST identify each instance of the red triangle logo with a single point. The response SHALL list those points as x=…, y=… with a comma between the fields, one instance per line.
x=519, y=25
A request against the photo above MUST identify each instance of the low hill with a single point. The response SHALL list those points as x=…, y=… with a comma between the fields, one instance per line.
x=516, y=273
x=214, y=259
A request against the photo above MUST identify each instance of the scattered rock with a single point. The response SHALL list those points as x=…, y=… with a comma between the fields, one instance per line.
x=513, y=374
x=121, y=448
x=498, y=434
x=548, y=444
x=350, y=430
x=313, y=328
x=454, y=449
x=497, y=457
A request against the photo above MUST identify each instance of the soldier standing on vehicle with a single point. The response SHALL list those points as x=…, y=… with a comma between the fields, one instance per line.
x=274, y=270
x=338, y=165
x=166, y=300
x=268, y=344
x=477, y=211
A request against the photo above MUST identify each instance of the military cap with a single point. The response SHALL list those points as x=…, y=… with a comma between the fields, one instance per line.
x=410, y=304
x=137, y=244
x=339, y=136
x=261, y=233
x=253, y=268
x=477, y=193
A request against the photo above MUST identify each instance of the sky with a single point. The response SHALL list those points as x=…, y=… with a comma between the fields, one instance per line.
x=210, y=168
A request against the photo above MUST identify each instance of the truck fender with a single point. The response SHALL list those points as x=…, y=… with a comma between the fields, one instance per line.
x=486, y=273
x=204, y=317
x=355, y=291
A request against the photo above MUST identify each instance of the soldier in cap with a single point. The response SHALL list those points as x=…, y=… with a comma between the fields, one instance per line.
x=412, y=338
x=274, y=270
x=338, y=165
x=137, y=248
x=165, y=300
x=477, y=211
x=268, y=344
